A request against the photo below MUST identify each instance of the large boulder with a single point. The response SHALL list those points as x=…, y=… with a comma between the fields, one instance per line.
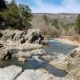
x=31, y=36
x=73, y=65
x=28, y=46
x=10, y=72
x=20, y=51
x=10, y=34
x=7, y=53
x=73, y=59
x=34, y=35
x=7, y=34
x=23, y=56
x=18, y=35
x=34, y=75
x=59, y=61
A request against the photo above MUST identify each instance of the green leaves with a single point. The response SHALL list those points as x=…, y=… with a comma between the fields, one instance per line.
x=78, y=24
x=2, y=5
x=17, y=17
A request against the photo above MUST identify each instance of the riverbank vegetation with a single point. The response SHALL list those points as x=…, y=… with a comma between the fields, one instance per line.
x=14, y=16
x=18, y=16
x=58, y=28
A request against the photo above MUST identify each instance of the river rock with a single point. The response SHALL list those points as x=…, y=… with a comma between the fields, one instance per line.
x=10, y=72
x=23, y=56
x=31, y=36
x=59, y=61
x=11, y=34
x=33, y=75
x=3, y=54
x=1, y=34
x=28, y=46
x=73, y=59
x=7, y=34
x=18, y=35
x=73, y=65
x=38, y=52
x=34, y=35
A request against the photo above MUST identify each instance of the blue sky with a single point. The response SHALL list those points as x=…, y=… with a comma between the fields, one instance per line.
x=52, y=6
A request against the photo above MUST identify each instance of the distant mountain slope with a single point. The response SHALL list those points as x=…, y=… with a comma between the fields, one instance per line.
x=38, y=21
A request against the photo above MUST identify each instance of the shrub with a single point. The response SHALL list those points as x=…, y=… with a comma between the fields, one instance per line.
x=78, y=24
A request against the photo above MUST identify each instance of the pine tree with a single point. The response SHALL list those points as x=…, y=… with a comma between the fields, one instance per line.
x=2, y=5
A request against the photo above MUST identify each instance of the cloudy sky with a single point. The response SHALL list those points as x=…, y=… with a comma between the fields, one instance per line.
x=52, y=6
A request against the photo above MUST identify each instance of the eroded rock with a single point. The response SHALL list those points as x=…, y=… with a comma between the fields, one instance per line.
x=10, y=72
x=33, y=75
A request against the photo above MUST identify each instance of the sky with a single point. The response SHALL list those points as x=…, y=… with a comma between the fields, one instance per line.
x=52, y=6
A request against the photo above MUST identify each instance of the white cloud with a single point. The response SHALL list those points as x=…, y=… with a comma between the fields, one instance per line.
x=68, y=6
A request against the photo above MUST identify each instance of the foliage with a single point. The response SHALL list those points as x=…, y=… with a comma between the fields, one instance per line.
x=55, y=23
x=2, y=5
x=26, y=15
x=78, y=24
x=46, y=19
x=2, y=8
x=16, y=17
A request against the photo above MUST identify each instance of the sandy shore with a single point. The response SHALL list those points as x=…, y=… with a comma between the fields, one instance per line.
x=67, y=41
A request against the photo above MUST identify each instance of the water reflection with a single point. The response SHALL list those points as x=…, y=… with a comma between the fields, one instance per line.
x=36, y=64
x=58, y=47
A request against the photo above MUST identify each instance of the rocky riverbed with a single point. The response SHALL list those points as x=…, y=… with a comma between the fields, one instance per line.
x=23, y=57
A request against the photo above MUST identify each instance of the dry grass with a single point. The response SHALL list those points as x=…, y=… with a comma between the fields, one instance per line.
x=50, y=32
x=75, y=37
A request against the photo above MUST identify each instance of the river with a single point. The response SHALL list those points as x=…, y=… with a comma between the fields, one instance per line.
x=53, y=47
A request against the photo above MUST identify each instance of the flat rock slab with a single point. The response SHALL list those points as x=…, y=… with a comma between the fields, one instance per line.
x=10, y=72
x=33, y=75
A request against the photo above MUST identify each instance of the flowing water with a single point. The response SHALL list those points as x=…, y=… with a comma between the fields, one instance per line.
x=52, y=48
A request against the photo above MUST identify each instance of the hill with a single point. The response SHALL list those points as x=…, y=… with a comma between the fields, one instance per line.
x=66, y=18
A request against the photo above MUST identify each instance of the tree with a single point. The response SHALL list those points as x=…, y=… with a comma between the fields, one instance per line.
x=26, y=15
x=78, y=24
x=2, y=5
x=55, y=23
x=16, y=17
x=2, y=9
x=46, y=19
x=13, y=19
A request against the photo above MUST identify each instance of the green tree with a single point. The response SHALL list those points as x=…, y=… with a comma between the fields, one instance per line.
x=26, y=15
x=78, y=24
x=46, y=19
x=2, y=5
x=55, y=23
x=17, y=17
x=13, y=19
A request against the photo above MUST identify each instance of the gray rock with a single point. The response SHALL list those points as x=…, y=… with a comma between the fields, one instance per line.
x=6, y=54
x=33, y=75
x=18, y=36
x=8, y=34
x=73, y=59
x=34, y=35
x=3, y=54
x=23, y=56
x=10, y=72
x=1, y=34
